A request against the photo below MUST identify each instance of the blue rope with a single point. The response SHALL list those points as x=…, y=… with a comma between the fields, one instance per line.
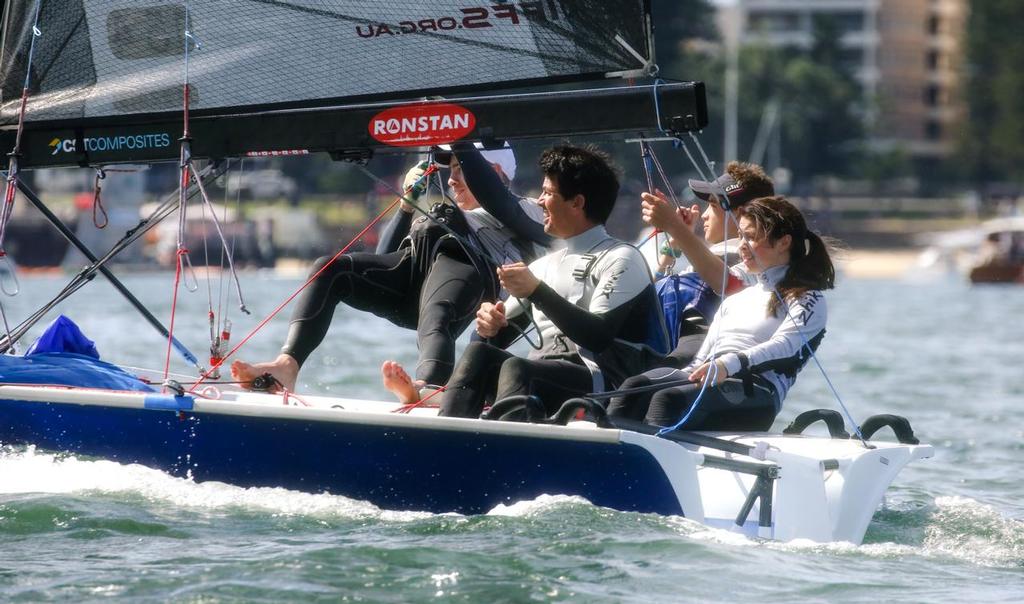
x=711, y=377
x=657, y=105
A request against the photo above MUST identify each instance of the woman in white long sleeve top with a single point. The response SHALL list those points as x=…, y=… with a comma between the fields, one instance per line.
x=759, y=338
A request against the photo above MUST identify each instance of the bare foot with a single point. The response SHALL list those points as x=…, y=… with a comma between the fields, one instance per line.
x=284, y=368
x=399, y=383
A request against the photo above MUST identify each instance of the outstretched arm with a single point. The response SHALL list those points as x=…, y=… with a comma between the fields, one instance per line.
x=495, y=197
x=593, y=328
x=658, y=212
x=593, y=331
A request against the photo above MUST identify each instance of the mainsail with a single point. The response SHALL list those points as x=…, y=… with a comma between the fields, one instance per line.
x=102, y=58
x=107, y=76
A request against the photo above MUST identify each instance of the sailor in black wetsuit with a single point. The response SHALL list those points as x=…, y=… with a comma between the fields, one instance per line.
x=421, y=276
x=593, y=302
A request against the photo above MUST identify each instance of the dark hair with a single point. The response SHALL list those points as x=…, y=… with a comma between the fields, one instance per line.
x=587, y=171
x=810, y=266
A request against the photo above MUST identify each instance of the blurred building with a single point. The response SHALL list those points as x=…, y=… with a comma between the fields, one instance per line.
x=907, y=55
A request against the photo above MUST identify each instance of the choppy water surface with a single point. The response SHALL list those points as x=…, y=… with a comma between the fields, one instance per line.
x=942, y=353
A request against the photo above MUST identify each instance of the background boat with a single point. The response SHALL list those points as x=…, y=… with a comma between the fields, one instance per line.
x=991, y=252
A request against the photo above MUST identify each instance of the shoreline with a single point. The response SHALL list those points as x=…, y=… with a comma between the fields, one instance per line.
x=894, y=263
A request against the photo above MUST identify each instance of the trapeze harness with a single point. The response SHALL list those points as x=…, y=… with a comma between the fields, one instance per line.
x=423, y=276
x=762, y=354
x=598, y=319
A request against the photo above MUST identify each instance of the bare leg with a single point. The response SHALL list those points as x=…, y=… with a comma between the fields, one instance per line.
x=284, y=368
x=399, y=383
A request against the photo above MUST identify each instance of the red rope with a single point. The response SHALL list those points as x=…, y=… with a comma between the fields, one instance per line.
x=420, y=403
x=97, y=203
x=207, y=374
x=291, y=395
x=174, y=307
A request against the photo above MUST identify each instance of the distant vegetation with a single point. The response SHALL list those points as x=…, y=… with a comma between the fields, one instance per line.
x=820, y=110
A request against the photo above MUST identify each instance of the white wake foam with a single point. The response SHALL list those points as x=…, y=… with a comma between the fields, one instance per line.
x=28, y=471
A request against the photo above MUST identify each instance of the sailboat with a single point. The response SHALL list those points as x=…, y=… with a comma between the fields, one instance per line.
x=112, y=81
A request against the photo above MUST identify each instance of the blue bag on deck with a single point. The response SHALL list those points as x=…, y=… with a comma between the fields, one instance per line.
x=62, y=335
x=63, y=356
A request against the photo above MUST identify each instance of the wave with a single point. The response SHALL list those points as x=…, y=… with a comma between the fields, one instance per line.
x=27, y=471
x=951, y=528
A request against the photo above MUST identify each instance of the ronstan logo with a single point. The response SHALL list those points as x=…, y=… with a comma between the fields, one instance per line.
x=425, y=124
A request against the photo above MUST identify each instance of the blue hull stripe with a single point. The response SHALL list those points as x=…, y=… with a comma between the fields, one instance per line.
x=394, y=468
x=163, y=402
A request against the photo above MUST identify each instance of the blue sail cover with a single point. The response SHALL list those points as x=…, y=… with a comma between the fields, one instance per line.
x=64, y=356
x=67, y=369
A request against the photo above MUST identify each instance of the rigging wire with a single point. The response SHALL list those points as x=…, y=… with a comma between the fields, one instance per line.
x=12, y=162
x=220, y=333
x=89, y=272
x=7, y=328
x=185, y=162
x=187, y=176
x=205, y=375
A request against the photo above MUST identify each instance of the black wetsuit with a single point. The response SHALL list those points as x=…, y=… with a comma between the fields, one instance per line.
x=421, y=277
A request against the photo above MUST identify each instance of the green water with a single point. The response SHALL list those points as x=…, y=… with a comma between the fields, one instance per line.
x=942, y=353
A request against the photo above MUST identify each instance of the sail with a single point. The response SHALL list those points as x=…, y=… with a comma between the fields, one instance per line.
x=101, y=59
x=269, y=77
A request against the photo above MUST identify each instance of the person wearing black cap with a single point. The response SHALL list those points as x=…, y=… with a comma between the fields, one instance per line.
x=686, y=294
x=741, y=183
x=422, y=276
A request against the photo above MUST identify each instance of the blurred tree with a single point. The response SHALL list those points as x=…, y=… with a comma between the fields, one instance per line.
x=822, y=113
x=682, y=29
x=687, y=48
x=880, y=167
x=992, y=147
x=820, y=103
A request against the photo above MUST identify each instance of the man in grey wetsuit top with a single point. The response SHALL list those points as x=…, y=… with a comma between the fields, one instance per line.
x=592, y=302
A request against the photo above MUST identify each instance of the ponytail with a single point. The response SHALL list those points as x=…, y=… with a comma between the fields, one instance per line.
x=810, y=265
